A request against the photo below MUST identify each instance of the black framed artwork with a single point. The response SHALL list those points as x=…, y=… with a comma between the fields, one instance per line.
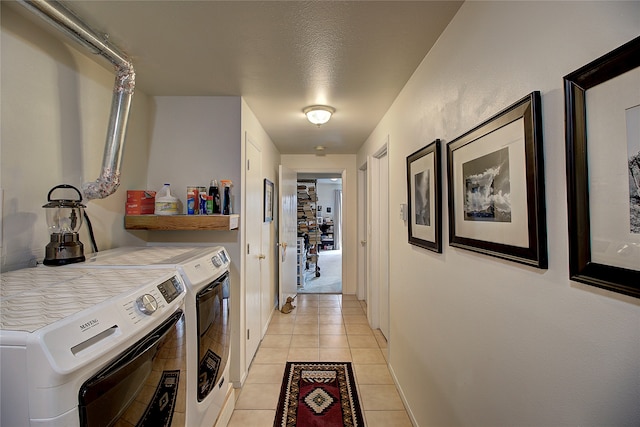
x=425, y=197
x=496, y=186
x=268, y=200
x=602, y=116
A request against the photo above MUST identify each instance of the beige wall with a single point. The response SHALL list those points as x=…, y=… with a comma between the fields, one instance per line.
x=477, y=341
x=55, y=104
x=337, y=163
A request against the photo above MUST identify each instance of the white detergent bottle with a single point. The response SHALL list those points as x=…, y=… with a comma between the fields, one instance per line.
x=166, y=204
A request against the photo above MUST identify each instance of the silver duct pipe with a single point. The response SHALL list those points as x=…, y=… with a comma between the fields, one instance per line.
x=61, y=18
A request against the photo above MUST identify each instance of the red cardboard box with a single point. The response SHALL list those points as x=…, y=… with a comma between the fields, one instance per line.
x=140, y=202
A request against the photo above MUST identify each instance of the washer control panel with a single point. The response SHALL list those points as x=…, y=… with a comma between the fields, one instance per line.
x=154, y=299
x=171, y=289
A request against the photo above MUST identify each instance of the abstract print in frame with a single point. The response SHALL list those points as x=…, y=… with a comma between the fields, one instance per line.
x=425, y=197
x=602, y=116
x=496, y=186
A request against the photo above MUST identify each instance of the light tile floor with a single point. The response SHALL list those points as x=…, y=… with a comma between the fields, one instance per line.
x=329, y=328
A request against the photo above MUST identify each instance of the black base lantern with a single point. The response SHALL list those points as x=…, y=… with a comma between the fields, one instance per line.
x=64, y=219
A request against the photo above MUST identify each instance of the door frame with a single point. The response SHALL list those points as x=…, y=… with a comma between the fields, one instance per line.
x=345, y=194
x=377, y=220
x=363, y=270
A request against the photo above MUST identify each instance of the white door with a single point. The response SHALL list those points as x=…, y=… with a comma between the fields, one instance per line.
x=287, y=234
x=253, y=251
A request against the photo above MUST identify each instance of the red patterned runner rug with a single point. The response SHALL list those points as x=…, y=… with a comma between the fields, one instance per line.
x=318, y=394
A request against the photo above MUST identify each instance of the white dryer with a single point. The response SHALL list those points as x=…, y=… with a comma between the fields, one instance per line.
x=205, y=271
x=86, y=347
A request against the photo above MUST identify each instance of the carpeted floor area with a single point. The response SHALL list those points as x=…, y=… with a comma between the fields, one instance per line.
x=330, y=280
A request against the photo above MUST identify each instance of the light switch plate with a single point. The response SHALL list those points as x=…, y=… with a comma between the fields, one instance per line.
x=403, y=211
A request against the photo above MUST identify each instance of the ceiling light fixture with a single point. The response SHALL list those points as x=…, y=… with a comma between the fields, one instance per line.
x=319, y=114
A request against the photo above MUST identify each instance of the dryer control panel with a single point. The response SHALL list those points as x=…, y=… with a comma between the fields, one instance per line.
x=171, y=289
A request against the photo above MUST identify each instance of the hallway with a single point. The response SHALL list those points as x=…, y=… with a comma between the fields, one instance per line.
x=321, y=328
x=330, y=279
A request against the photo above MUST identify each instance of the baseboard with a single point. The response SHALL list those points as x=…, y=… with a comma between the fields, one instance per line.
x=266, y=326
x=402, y=396
x=227, y=410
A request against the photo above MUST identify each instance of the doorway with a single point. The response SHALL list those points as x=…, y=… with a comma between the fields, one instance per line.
x=320, y=233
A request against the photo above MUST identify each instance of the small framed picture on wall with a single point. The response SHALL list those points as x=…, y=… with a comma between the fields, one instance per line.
x=268, y=200
x=425, y=195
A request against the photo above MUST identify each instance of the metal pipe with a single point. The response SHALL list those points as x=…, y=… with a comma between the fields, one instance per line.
x=64, y=20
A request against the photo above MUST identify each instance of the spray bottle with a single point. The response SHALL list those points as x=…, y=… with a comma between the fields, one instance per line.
x=213, y=192
x=226, y=197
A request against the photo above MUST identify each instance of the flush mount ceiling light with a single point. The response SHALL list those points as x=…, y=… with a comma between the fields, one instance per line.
x=319, y=114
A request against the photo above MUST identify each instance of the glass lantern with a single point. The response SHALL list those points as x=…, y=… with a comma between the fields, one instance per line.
x=64, y=219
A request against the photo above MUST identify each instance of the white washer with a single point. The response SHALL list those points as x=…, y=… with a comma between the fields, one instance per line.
x=205, y=271
x=66, y=334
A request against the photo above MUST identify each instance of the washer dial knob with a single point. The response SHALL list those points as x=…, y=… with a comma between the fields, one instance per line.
x=147, y=304
x=216, y=261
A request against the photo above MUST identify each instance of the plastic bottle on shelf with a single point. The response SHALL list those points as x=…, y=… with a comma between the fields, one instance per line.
x=226, y=197
x=166, y=204
x=215, y=194
x=191, y=201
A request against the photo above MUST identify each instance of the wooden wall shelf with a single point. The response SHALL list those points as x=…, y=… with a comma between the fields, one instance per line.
x=181, y=222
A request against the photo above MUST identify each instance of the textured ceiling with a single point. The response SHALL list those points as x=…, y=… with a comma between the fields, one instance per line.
x=281, y=56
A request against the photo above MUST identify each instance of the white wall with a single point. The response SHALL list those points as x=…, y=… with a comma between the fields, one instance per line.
x=194, y=140
x=309, y=163
x=477, y=341
x=55, y=104
x=327, y=197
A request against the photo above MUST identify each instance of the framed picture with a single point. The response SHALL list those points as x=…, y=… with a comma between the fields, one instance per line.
x=496, y=186
x=425, y=197
x=602, y=115
x=268, y=200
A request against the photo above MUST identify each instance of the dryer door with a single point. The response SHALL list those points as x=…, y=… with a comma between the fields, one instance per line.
x=212, y=308
x=141, y=385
